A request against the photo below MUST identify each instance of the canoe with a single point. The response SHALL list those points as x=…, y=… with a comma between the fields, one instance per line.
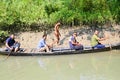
x=60, y=51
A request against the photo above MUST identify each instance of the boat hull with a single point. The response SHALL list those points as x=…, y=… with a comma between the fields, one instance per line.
x=61, y=51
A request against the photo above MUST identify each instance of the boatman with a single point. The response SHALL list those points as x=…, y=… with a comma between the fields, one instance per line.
x=74, y=44
x=42, y=46
x=11, y=44
x=95, y=41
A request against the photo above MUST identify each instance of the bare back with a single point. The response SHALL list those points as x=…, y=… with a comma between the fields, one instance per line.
x=56, y=30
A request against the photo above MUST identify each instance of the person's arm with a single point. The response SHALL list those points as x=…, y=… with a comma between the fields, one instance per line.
x=7, y=44
x=100, y=39
x=44, y=43
x=59, y=33
x=56, y=27
x=73, y=41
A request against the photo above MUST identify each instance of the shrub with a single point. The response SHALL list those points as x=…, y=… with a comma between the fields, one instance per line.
x=3, y=36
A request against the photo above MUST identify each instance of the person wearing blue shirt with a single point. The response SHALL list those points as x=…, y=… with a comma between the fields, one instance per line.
x=42, y=46
x=74, y=44
x=11, y=44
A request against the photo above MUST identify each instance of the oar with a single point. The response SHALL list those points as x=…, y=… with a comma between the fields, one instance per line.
x=107, y=37
x=110, y=46
x=8, y=55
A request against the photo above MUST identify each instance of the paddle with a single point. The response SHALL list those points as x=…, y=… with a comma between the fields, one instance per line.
x=110, y=46
x=8, y=55
x=107, y=37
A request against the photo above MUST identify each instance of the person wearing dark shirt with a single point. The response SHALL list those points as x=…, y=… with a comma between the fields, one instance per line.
x=11, y=44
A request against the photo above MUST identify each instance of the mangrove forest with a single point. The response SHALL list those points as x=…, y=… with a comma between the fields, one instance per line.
x=27, y=15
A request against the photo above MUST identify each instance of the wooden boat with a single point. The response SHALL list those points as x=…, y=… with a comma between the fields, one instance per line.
x=60, y=51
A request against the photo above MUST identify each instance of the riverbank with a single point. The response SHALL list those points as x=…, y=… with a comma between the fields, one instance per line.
x=31, y=39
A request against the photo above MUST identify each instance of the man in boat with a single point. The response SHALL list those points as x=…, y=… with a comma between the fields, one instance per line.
x=95, y=41
x=74, y=44
x=11, y=44
x=57, y=33
x=42, y=46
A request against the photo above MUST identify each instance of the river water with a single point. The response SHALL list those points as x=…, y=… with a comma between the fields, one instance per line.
x=93, y=66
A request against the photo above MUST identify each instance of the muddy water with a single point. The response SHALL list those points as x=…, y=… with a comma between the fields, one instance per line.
x=96, y=66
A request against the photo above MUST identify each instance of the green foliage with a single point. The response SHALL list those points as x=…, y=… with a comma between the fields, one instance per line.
x=21, y=15
x=3, y=36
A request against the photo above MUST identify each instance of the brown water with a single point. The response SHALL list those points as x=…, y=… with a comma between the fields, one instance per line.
x=97, y=66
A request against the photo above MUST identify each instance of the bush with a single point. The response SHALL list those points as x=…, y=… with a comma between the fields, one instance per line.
x=3, y=36
x=17, y=15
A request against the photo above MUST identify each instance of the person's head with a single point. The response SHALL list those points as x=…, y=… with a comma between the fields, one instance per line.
x=75, y=34
x=12, y=36
x=96, y=32
x=44, y=36
x=58, y=24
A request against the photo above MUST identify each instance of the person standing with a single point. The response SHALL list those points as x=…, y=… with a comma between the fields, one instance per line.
x=95, y=40
x=74, y=44
x=11, y=44
x=57, y=33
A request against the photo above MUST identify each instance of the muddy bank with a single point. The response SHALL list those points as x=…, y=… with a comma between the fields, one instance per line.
x=31, y=39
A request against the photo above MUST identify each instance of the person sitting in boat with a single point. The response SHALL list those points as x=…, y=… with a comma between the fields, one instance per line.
x=42, y=46
x=95, y=41
x=11, y=44
x=74, y=44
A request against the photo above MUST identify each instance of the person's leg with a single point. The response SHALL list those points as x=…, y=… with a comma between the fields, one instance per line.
x=80, y=47
x=102, y=46
x=71, y=45
x=99, y=46
x=16, y=47
x=47, y=48
x=58, y=39
x=44, y=49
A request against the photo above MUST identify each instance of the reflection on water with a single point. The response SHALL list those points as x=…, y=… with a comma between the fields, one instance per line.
x=42, y=64
x=97, y=66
